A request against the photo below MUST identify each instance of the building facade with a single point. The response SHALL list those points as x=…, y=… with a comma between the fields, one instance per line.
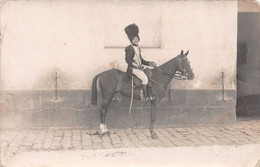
x=51, y=50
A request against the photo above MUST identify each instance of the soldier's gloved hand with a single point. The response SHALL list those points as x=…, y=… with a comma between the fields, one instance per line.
x=153, y=64
x=140, y=67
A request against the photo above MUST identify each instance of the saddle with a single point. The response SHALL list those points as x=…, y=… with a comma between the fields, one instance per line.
x=125, y=85
x=137, y=81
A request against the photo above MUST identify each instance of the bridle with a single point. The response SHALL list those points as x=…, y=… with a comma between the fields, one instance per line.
x=183, y=72
x=179, y=74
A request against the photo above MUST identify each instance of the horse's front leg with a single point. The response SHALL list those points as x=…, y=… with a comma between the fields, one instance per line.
x=152, y=118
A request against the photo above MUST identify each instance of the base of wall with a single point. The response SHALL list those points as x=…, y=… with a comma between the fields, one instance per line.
x=27, y=109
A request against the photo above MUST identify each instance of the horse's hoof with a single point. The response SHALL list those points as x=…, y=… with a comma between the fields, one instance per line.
x=102, y=134
x=105, y=133
x=154, y=135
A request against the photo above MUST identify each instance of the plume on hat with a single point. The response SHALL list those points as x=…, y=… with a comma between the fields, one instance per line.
x=132, y=31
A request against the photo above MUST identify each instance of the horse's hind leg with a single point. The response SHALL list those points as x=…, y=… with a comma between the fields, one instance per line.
x=106, y=102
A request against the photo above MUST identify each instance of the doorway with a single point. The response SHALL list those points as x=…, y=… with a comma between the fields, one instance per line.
x=248, y=60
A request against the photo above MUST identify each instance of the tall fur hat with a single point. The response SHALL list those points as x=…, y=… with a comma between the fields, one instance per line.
x=132, y=31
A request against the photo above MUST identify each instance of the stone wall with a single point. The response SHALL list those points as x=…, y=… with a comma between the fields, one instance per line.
x=27, y=109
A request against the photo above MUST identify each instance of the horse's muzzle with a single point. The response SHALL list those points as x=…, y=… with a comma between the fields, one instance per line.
x=190, y=75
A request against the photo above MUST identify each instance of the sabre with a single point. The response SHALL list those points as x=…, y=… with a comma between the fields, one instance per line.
x=131, y=102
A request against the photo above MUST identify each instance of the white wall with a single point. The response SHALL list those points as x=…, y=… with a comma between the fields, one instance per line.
x=71, y=37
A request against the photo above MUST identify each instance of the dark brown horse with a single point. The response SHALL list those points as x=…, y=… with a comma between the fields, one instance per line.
x=112, y=82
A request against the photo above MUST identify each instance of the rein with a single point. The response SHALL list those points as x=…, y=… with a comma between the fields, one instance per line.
x=176, y=75
x=170, y=74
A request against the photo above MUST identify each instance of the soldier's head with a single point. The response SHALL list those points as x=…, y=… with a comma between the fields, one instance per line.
x=135, y=41
x=132, y=32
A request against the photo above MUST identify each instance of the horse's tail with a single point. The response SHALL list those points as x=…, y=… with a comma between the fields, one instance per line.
x=94, y=90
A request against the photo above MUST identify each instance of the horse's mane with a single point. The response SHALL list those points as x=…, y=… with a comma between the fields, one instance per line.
x=165, y=65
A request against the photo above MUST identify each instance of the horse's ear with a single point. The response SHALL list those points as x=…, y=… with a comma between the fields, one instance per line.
x=186, y=53
x=181, y=52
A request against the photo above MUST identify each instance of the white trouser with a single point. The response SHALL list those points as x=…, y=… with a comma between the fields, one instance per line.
x=141, y=75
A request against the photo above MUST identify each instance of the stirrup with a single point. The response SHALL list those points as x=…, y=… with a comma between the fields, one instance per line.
x=152, y=98
x=148, y=99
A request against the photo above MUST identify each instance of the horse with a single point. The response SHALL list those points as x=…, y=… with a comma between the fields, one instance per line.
x=112, y=82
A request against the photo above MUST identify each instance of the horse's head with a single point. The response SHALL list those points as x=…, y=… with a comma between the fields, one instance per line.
x=184, y=66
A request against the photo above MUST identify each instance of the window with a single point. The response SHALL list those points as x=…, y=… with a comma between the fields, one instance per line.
x=147, y=15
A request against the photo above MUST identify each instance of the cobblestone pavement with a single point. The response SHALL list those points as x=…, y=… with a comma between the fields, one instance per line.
x=245, y=131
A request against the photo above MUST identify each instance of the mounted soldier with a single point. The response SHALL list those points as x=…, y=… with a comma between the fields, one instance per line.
x=111, y=81
x=135, y=61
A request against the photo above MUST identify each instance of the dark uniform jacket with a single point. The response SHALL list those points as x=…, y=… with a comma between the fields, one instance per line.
x=129, y=58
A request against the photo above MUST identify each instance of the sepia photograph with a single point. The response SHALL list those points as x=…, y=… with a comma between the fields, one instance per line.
x=133, y=83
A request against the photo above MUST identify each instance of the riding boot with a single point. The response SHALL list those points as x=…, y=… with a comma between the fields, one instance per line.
x=149, y=90
x=145, y=91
